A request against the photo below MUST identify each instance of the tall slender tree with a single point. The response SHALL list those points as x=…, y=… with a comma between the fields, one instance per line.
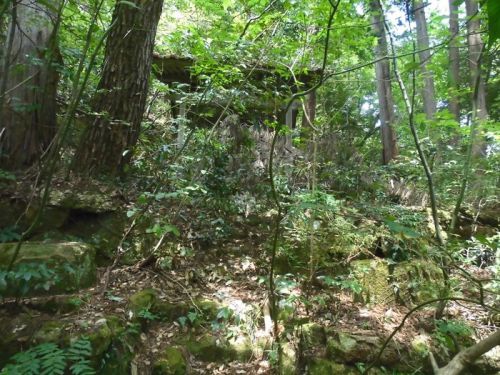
x=475, y=46
x=454, y=57
x=107, y=145
x=429, y=92
x=477, y=84
x=384, y=90
x=28, y=83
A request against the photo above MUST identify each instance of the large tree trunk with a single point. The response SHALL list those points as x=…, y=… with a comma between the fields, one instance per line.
x=475, y=46
x=384, y=90
x=28, y=84
x=424, y=54
x=107, y=145
x=454, y=57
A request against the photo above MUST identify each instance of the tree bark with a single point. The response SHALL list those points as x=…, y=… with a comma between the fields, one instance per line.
x=475, y=48
x=454, y=57
x=429, y=92
x=28, y=85
x=107, y=145
x=384, y=90
x=310, y=110
x=467, y=356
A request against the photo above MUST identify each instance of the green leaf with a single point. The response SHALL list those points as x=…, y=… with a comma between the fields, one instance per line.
x=168, y=228
x=192, y=316
x=182, y=320
x=401, y=229
x=493, y=20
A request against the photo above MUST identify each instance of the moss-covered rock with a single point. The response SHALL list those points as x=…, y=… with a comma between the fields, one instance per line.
x=417, y=281
x=171, y=362
x=320, y=366
x=42, y=268
x=51, y=331
x=20, y=215
x=100, y=337
x=143, y=300
x=210, y=308
x=373, y=276
x=210, y=348
x=313, y=339
x=409, y=282
x=420, y=345
x=120, y=352
x=343, y=347
x=62, y=304
x=104, y=231
x=168, y=311
x=148, y=300
x=288, y=359
x=87, y=201
x=242, y=348
x=15, y=333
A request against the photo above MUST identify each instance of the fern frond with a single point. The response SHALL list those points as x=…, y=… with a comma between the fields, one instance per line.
x=83, y=367
x=80, y=349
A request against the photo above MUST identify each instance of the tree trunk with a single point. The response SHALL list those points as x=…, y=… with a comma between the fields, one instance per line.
x=429, y=92
x=384, y=90
x=4, y=7
x=467, y=356
x=310, y=110
x=454, y=57
x=475, y=46
x=28, y=85
x=107, y=145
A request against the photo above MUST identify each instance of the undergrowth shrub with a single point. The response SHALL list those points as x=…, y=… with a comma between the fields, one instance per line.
x=322, y=229
x=26, y=277
x=50, y=359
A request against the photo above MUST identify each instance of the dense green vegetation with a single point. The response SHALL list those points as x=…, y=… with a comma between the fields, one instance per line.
x=249, y=186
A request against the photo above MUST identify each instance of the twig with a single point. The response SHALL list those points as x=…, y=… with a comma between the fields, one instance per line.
x=410, y=313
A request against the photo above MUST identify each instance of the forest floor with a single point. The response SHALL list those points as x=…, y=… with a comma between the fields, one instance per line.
x=232, y=276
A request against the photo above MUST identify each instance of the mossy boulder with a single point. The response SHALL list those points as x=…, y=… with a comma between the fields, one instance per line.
x=211, y=348
x=42, y=268
x=171, y=362
x=312, y=340
x=169, y=311
x=119, y=353
x=210, y=308
x=373, y=277
x=320, y=366
x=143, y=300
x=16, y=332
x=409, y=282
x=417, y=281
x=101, y=336
x=108, y=337
x=104, y=231
x=148, y=300
x=347, y=348
x=420, y=345
x=19, y=215
x=87, y=201
x=288, y=359
x=208, y=348
x=51, y=331
x=61, y=304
